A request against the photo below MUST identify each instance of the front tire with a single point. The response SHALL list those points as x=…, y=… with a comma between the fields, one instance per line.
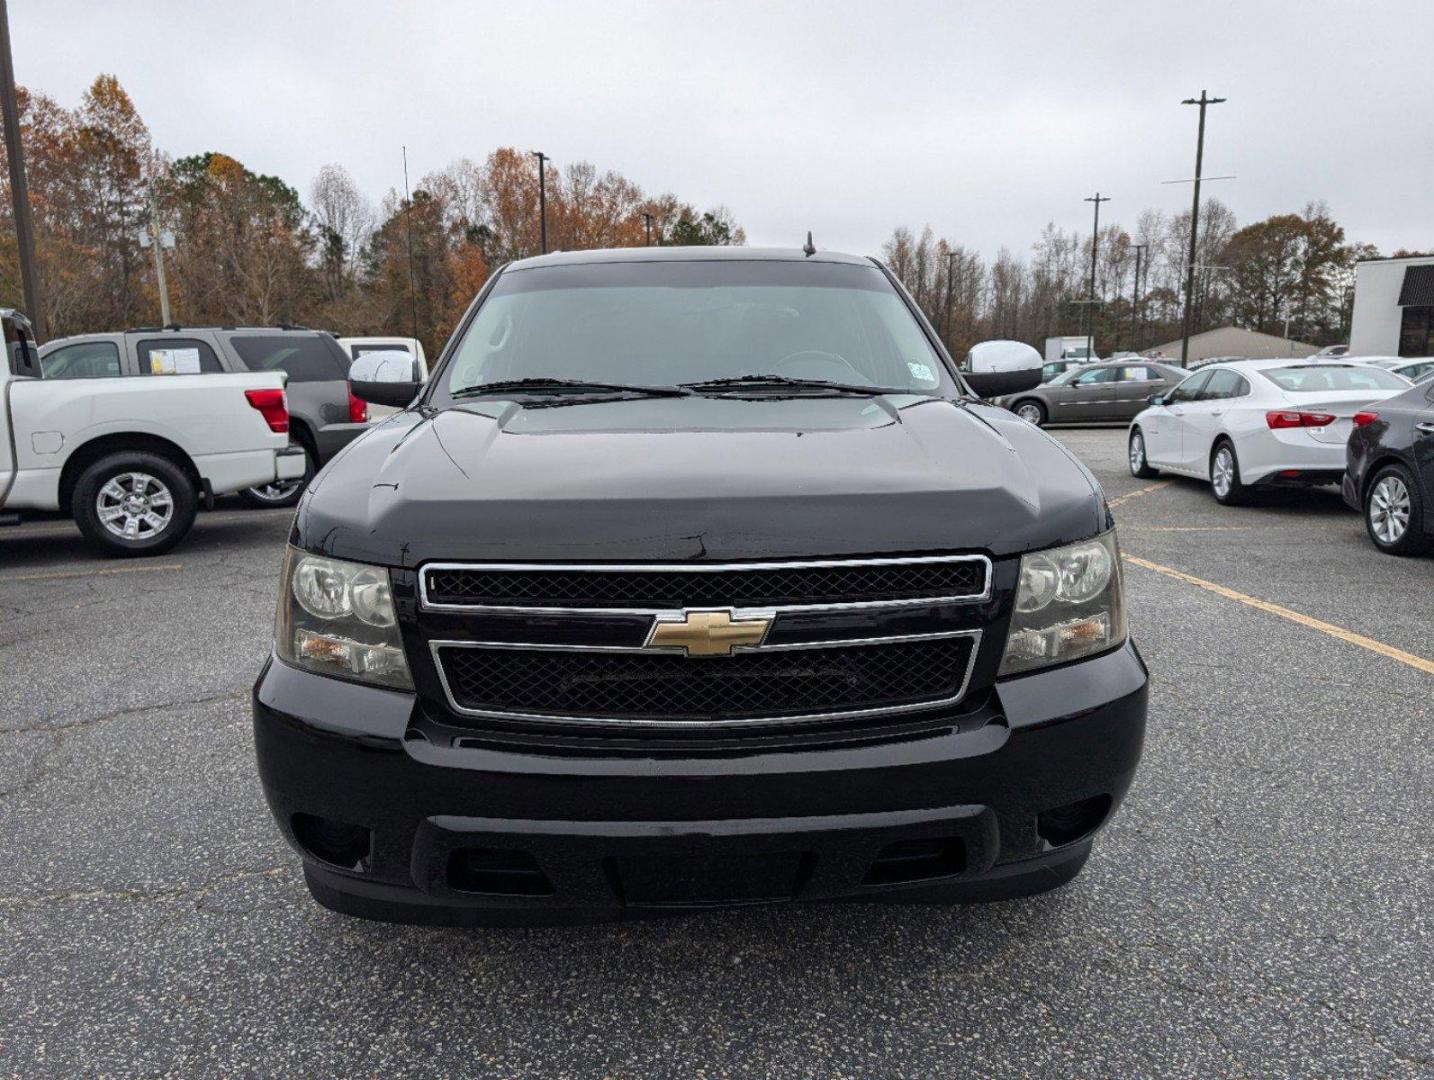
x=282, y=493
x=1225, y=476
x=1139, y=464
x=1031, y=411
x=134, y=503
x=1394, y=512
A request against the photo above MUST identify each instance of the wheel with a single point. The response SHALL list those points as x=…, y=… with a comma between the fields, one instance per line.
x=1139, y=466
x=134, y=503
x=282, y=493
x=1033, y=412
x=1394, y=511
x=1225, y=476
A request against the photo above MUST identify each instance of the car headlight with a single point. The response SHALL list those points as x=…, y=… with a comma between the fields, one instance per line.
x=1068, y=605
x=337, y=618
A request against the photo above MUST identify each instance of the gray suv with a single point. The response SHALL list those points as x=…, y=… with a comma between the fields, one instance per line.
x=323, y=416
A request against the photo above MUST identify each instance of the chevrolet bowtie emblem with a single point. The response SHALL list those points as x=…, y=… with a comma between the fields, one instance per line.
x=708, y=633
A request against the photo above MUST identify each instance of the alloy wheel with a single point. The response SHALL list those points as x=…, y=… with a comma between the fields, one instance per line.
x=134, y=506
x=1389, y=509
x=1137, y=453
x=1030, y=413
x=1222, y=476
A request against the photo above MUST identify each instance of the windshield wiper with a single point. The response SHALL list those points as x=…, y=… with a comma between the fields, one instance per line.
x=546, y=385
x=741, y=382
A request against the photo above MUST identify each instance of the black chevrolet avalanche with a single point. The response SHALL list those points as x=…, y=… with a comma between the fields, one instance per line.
x=695, y=577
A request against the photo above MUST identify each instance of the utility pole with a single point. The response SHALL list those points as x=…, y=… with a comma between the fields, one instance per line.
x=159, y=279
x=647, y=222
x=1097, y=198
x=1202, y=101
x=542, y=201
x=408, y=223
x=1140, y=250
x=950, y=277
x=19, y=191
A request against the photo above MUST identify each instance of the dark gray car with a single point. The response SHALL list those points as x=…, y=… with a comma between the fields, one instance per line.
x=323, y=416
x=1095, y=392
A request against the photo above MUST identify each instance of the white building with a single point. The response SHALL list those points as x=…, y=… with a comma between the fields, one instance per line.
x=1393, y=307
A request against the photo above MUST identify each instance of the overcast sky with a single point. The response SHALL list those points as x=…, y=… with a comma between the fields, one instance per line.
x=984, y=119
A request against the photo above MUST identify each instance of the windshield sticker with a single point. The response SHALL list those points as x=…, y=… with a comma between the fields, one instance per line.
x=921, y=371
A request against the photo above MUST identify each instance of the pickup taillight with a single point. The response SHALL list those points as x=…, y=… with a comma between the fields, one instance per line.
x=272, y=407
x=358, y=408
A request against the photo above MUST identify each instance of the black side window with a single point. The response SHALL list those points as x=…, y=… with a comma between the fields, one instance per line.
x=1224, y=385
x=176, y=356
x=1189, y=389
x=84, y=360
x=306, y=357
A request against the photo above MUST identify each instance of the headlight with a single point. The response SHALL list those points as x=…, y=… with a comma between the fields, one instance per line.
x=1068, y=605
x=337, y=618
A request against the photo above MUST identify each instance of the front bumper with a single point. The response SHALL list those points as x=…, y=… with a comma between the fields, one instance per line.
x=485, y=832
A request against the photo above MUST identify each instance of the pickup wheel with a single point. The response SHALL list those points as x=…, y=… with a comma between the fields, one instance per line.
x=282, y=493
x=134, y=503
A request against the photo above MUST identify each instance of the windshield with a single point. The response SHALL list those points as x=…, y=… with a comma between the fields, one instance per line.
x=673, y=323
x=1314, y=378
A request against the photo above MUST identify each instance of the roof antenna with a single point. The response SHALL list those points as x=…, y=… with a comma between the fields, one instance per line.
x=809, y=249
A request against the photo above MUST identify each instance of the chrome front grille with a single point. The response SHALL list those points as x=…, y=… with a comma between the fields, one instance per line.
x=592, y=644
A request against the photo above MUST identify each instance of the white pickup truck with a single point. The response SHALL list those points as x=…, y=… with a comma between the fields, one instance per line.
x=132, y=458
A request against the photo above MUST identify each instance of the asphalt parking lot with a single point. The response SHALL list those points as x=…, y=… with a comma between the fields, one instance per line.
x=1261, y=906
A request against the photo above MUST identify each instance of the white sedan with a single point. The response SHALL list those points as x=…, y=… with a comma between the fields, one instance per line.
x=1258, y=422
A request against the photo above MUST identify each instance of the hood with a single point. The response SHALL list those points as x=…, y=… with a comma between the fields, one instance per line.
x=670, y=479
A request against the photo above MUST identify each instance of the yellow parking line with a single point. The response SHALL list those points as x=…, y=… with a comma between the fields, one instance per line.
x=1140, y=491
x=1198, y=528
x=1419, y=663
x=149, y=568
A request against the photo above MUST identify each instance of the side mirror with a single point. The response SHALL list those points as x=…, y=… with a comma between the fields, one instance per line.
x=1156, y=399
x=996, y=368
x=389, y=377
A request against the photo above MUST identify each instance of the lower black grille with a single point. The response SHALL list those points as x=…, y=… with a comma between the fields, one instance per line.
x=754, y=685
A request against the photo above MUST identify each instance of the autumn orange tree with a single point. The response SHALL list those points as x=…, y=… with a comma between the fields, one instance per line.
x=241, y=247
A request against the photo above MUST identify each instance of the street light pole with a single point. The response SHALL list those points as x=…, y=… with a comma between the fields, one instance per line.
x=159, y=279
x=1097, y=198
x=542, y=201
x=1202, y=101
x=1140, y=249
x=19, y=192
x=647, y=223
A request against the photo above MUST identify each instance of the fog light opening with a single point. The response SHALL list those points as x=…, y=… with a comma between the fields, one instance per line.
x=1073, y=821
x=496, y=871
x=917, y=860
x=334, y=842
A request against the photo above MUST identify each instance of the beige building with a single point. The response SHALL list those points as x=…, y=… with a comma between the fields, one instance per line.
x=1232, y=341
